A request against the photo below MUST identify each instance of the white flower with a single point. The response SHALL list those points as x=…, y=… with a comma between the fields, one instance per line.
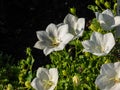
x=53, y=39
x=99, y=44
x=45, y=79
x=107, y=19
x=76, y=25
x=109, y=78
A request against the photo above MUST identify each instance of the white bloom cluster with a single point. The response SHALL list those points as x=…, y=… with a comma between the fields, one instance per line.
x=57, y=36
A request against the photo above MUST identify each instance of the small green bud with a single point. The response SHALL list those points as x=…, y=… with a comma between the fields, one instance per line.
x=20, y=78
x=23, y=72
x=102, y=1
x=27, y=84
x=107, y=4
x=92, y=27
x=64, y=72
x=97, y=2
x=88, y=79
x=9, y=87
x=115, y=8
x=107, y=61
x=73, y=11
x=99, y=30
x=82, y=66
x=28, y=51
x=87, y=54
x=76, y=80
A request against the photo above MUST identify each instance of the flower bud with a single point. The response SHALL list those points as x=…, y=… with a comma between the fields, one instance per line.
x=76, y=80
x=64, y=72
x=27, y=84
x=97, y=2
x=102, y=1
x=9, y=87
x=88, y=79
x=87, y=54
x=107, y=4
x=115, y=7
x=107, y=61
x=73, y=11
x=92, y=27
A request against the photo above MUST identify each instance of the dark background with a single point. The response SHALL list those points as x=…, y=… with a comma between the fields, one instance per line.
x=20, y=19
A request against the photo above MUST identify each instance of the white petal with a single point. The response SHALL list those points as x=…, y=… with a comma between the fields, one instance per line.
x=117, y=68
x=116, y=87
x=106, y=78
x=99, y=44
x=67, y=38
x=80, y=26
x=60, y=24
x=42, y=44
x=108, y=69
x=62, y=30
x=36, y=84
x=100, y=17
x=108, y=20
x=81, y=23
x=97, y=15
x=105, y=26
x=70, y=20
x=42, y=35
x=88, y=45
x=117, y=21
x=42, y=73
x=54, y=73
x=91, y=47
x=60, y=47
x=48, y=50
x=108, y=12
x=108, y=42
x=38, y=45
x=103, y=82
x=52, y=30
x=97, y=38
x=99, y=54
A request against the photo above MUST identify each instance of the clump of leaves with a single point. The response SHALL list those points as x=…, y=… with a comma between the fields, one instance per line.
x=101, y=5
x=16, y=76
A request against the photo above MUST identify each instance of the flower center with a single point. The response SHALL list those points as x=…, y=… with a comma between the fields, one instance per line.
x=115, y=80
x=99, y=49
x=55, y=42
x=47, y=84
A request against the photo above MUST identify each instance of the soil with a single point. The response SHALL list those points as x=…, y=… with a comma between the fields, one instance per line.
x=20, y=19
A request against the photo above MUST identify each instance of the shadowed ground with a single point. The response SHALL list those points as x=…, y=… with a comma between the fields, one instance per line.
x=20, y=19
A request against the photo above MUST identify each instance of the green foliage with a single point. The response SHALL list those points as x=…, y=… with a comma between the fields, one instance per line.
x=101, y=5
x=73, y=61
x=16, y=76
x=73, y=11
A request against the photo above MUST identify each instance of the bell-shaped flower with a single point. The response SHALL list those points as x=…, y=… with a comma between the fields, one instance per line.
x=109, y=78
x=99, y=44
x=53, y=39
x=107, y=20
x=76, y=25
x=45, y=79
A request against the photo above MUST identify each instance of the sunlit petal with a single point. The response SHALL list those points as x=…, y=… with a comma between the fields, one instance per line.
x=109, y=78
x=99, y=44
x=54, y=72
x=107, y=20
x=46, y=79
x=52, y=30
x=36, y=84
